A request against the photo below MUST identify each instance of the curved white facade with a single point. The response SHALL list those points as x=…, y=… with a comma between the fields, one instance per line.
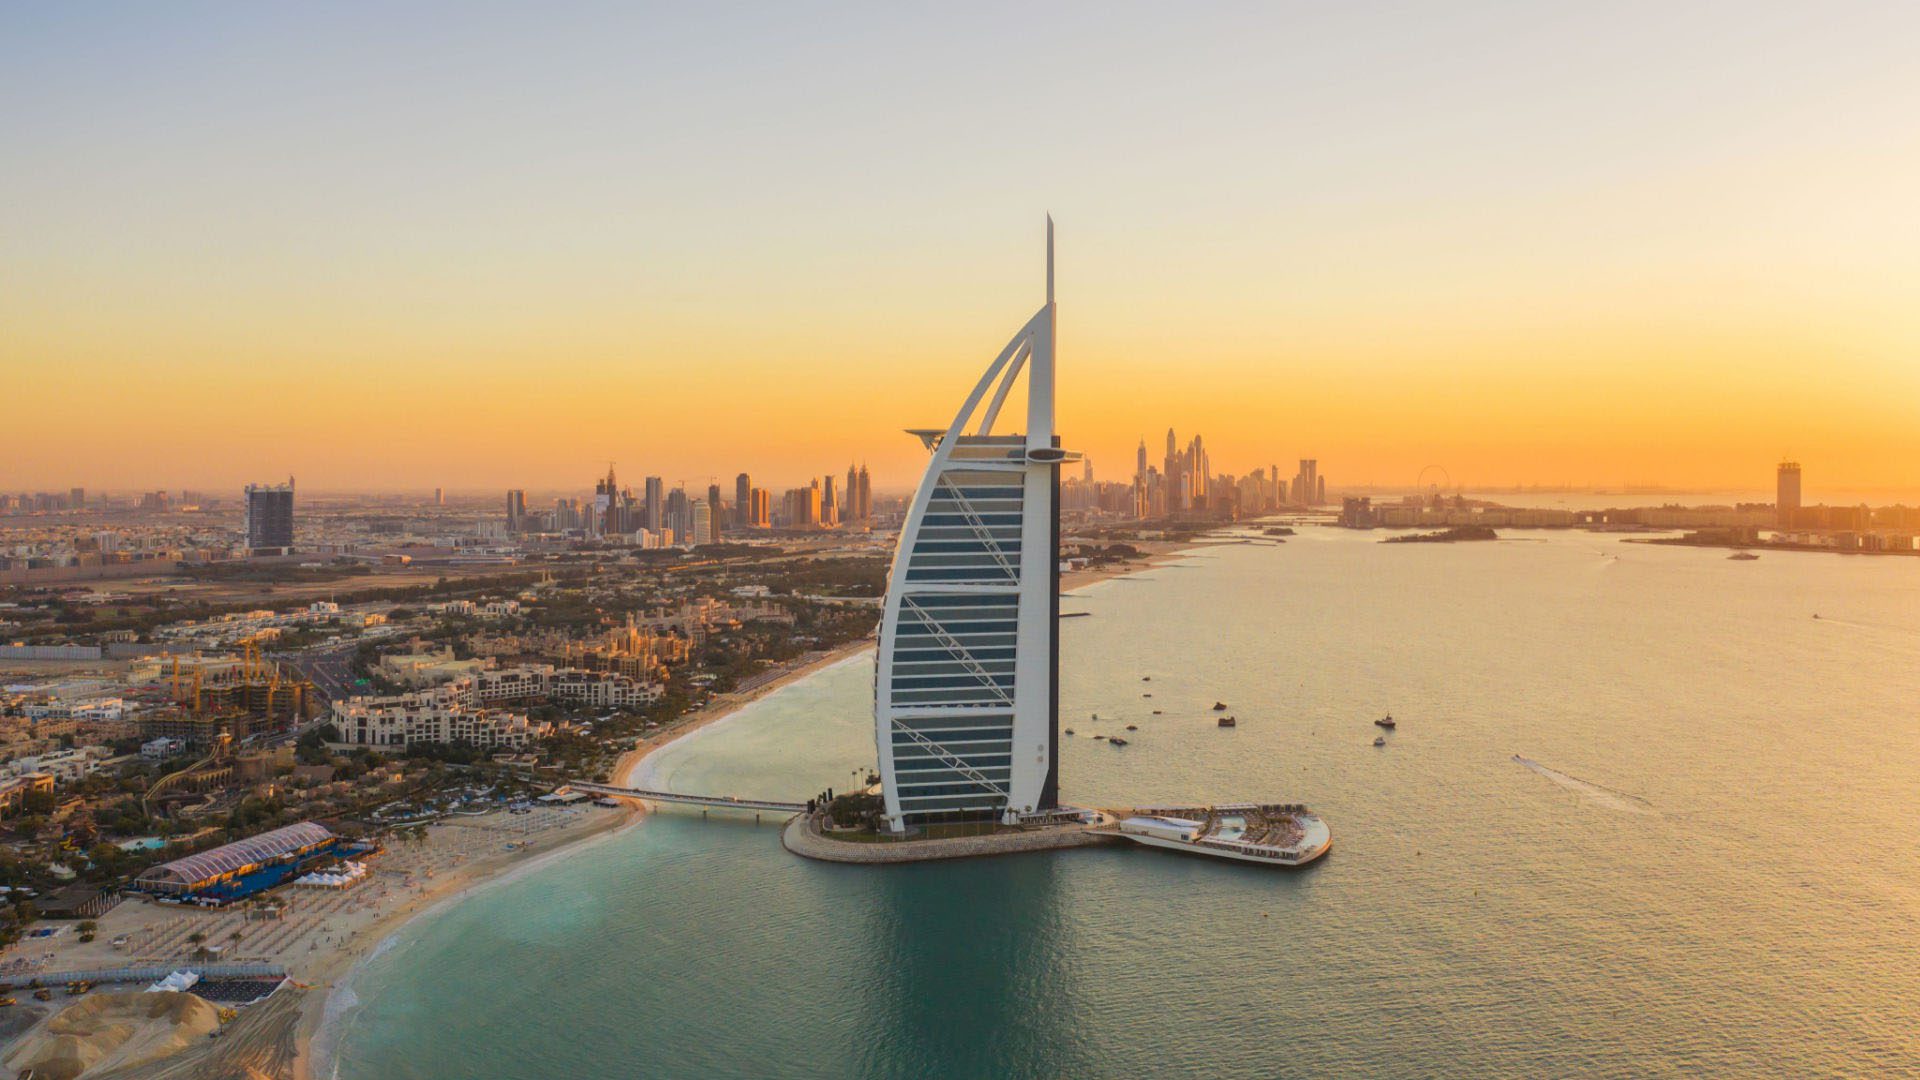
x=966, y=702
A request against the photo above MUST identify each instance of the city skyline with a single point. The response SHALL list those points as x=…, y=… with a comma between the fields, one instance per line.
x=1082, y=489
x=1504, y=274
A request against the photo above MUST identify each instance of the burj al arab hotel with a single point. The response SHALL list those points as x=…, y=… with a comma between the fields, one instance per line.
x=966, y=701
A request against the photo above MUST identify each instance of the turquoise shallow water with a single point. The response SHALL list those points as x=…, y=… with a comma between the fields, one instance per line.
x=1709, y=872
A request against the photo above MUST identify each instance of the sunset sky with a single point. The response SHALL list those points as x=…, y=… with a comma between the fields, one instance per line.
x=398, y=246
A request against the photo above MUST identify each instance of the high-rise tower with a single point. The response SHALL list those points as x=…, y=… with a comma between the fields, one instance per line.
x=270, y=516
x=679, y=516
x=656, y=503
x=1786, y=500
x=1306, y=483
x=966, y=699
x=1173, y=472
x=700, y=531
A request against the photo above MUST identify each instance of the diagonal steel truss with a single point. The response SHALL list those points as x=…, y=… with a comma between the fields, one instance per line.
x=954, y=646
x=980, y=530
x=948, y=759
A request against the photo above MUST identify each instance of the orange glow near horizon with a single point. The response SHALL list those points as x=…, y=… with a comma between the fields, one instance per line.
x=511, y=396
x=1297, y=234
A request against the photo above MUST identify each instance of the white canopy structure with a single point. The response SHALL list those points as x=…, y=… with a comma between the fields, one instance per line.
x=198, y=871
x=179, y=981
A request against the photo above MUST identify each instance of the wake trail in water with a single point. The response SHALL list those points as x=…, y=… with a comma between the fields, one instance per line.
x=1828, y=620
x=1611, y=798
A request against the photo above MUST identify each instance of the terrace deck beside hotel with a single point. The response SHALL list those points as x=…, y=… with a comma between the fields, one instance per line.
x=1278, y=833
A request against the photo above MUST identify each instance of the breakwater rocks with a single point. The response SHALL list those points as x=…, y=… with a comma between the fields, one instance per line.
x=802, y=837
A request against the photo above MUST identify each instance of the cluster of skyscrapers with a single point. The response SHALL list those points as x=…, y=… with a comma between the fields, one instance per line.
x=822, y=505
x=1184, y=485
x=659, y=517
x=43, y=502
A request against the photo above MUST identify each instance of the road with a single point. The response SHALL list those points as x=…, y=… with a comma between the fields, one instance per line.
x=330, y=670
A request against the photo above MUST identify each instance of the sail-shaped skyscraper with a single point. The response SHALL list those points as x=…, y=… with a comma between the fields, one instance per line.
x=966, y=688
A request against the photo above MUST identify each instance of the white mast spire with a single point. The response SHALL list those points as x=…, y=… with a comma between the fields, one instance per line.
x=1049, y=258
x=1040, y=367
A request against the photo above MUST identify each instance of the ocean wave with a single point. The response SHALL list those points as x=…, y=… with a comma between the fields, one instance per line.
x=387, y=944
x=341, y=1002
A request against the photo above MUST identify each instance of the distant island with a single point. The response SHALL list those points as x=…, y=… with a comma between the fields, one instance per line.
x=1277, y=530
x=1840, y=543
x=1446, y=536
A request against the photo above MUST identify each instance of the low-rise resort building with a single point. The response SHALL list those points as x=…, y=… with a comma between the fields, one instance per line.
x=430, y=716
x=467, y=710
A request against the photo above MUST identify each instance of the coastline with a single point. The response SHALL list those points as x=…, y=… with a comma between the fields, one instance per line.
x=330, y=981
x=327, y=1007
x=628, y=771
x=1153, y=555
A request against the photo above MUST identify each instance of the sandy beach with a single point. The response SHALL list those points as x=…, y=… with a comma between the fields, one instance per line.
x=321, y=1014
x=324, y=937
x=317, y=935
x=325, y=1011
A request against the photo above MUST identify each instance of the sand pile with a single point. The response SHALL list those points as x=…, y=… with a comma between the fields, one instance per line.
x=112, y=1030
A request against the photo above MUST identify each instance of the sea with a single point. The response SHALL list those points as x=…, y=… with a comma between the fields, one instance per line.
x=1648, y=812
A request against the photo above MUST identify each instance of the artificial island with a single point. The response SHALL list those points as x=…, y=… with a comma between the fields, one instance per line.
x=966, y=693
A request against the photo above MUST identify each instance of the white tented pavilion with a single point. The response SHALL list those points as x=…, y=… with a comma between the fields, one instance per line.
x=196, y=872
